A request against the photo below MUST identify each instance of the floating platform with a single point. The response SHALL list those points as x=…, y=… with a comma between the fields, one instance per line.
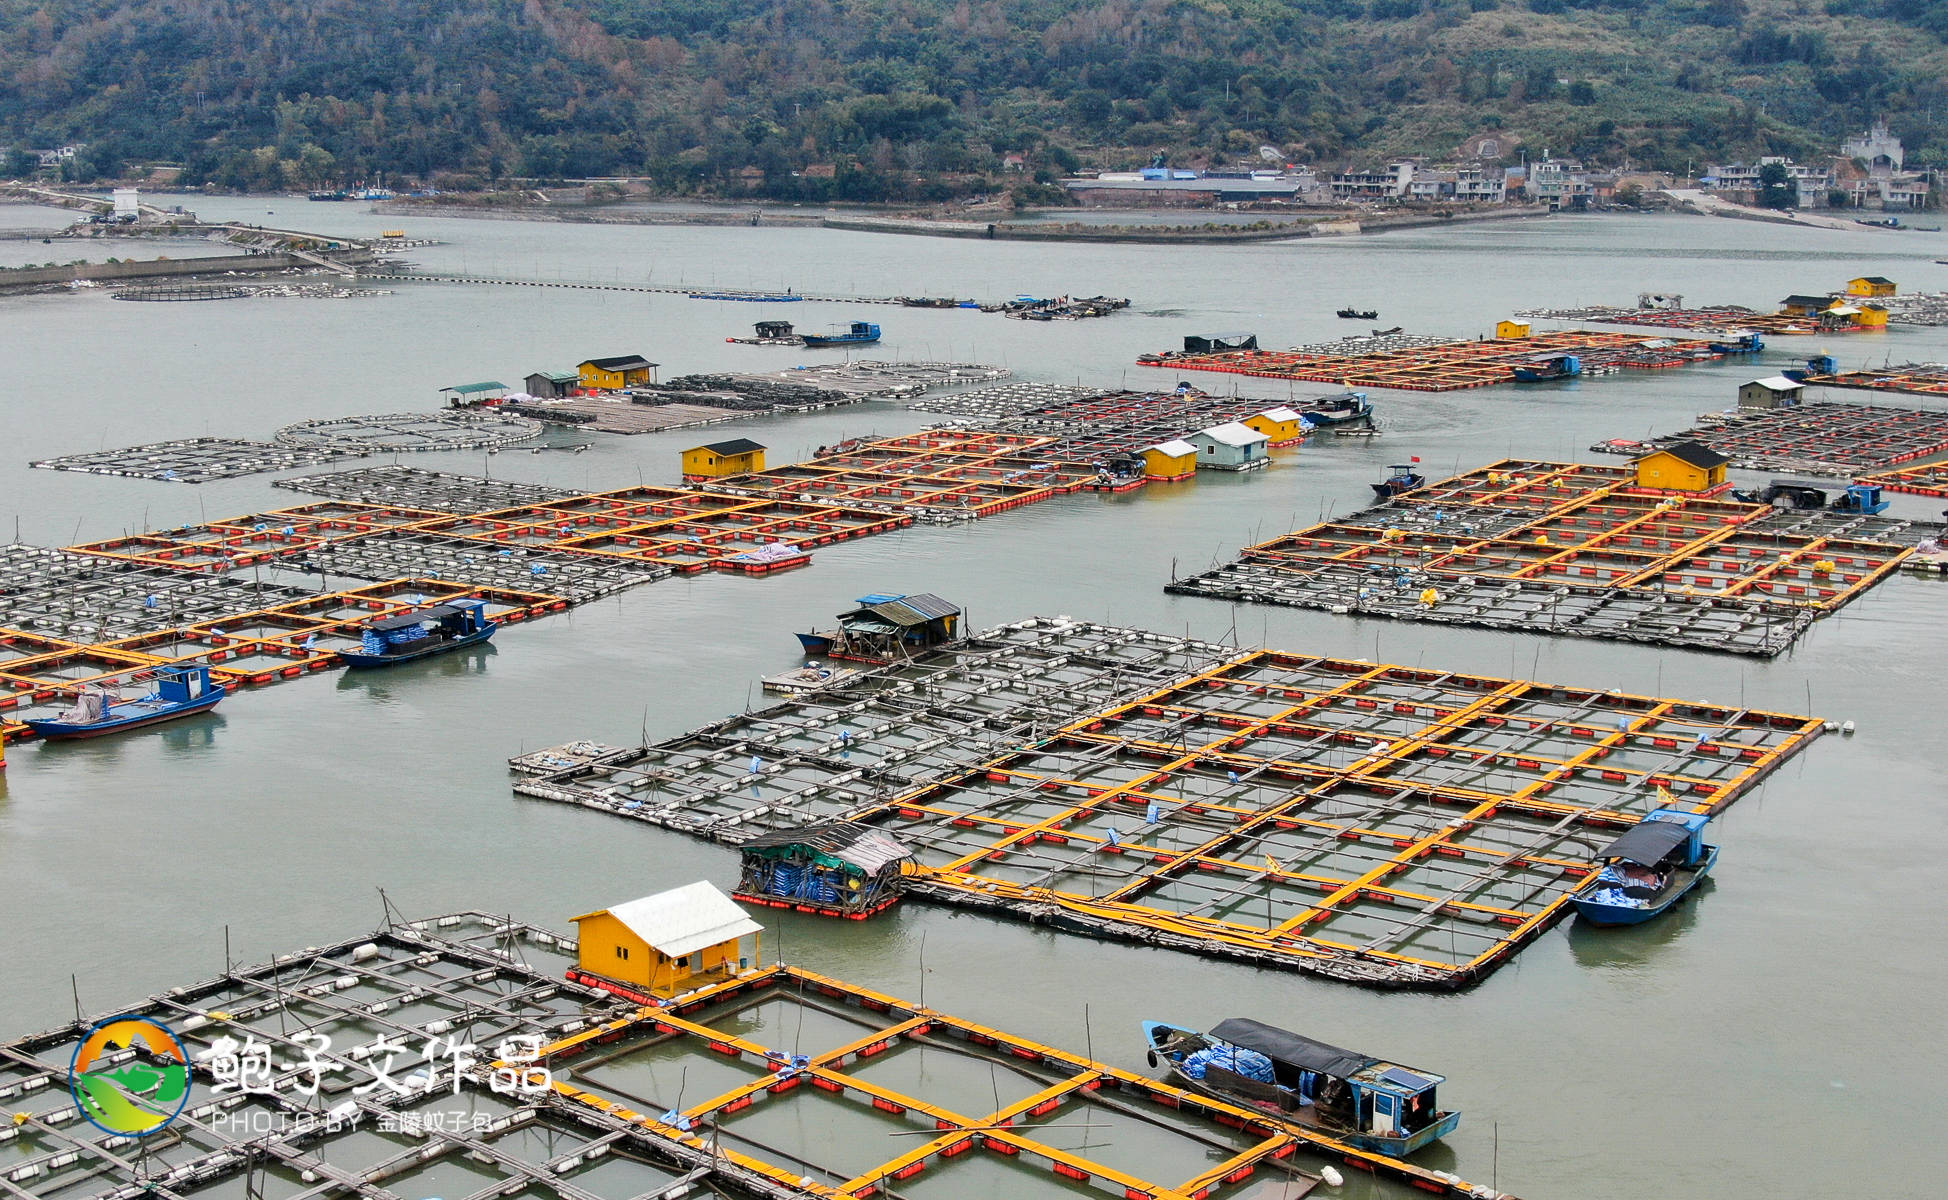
x=309, y=573
x=1918, y=379
x=1097, y=426
x=775, y=1084
x=1716, y=318
x=192, y=460
x=1443, y=366
x=1924, y=479
x=386, y=433
x=1381, y=825
x=557, y=758
x=1811, y=439
x=1005, y=400
x=1571, y=549
x=619, y=414
x=429, y=491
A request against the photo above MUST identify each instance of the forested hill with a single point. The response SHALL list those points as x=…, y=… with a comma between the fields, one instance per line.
x=697, y=93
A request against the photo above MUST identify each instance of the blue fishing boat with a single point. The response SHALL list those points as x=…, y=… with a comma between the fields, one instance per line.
x=1744, y=343
x=179, y=692
x=1358, y=1099
x=1553, y=366
x=1648, y=869
x=859, y=333
x=420, y=633
x=1401, y=479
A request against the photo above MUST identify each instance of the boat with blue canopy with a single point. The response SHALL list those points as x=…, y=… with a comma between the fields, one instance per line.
x=405, y=637
x=178, y=692
x=1648, y=868
x=1358, y=1099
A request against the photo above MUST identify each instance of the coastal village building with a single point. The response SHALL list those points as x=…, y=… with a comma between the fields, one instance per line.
x=551, y=385
x=668, y=943
x=627, y=370
x=1774, y=392
x=733, y=457
x=1683, y=467
x=1558, y=183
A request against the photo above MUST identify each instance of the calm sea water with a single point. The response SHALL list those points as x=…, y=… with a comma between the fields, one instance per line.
x=1779, y=1037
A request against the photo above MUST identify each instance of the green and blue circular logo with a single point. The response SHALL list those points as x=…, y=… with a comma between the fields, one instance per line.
x=126, y=1094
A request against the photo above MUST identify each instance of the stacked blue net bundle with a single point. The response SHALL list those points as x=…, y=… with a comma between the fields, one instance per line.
x=785, y=880
x=372, y=643
x=412, y=633
x=1248, y=1063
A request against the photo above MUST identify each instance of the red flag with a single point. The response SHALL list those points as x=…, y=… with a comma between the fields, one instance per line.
x=1415, y=458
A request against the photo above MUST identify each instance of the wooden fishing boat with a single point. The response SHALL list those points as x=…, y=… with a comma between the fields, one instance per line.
x=1356, y=1098
x=859, y=333
x=1344, y=409
x=421, y=633
x=887, y=628
x=1401, y=479
x=179, y=692
x=1554, y=366
x=1648, y=869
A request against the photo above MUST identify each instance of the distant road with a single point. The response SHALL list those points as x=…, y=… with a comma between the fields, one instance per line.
x=1718, y=206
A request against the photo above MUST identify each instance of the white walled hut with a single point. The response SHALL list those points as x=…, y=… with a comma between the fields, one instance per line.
x=1230, y=447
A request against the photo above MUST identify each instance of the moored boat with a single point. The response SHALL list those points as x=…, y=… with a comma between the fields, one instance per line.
x=1359, y=314
x=420, y=633
x=1648, y=869
x=1401, y=479
x=1553, y=366
x=179, y=692
x=1344, y=409
x=887, y=628
x=859, y=333
x=1358, y=1099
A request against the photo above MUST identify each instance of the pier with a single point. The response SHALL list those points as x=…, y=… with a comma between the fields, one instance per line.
x=1386, y=826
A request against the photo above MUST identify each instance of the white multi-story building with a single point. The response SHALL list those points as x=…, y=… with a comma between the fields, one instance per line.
x=1741, y=182
x=1879, y=149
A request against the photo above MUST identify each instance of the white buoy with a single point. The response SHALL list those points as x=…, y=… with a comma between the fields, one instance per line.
x=1846, y=728
x=1332, y=1177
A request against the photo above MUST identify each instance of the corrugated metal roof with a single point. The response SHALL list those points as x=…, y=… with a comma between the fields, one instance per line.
x=468, y=389
x=683, y=920
x=1280, y=414
x=860, y=845
x=733, y=446
x=1176, y=447
x=1232, y=433
x=1777, y=383
x=928, y=604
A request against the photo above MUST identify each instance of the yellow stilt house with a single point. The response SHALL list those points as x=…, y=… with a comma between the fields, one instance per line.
x=1682, y=467
x=718, y=459
x=663, y=945
x=627, y=370
x=1174, y=459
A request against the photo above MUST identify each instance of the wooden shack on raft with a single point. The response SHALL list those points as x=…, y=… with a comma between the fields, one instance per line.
x=832, y=869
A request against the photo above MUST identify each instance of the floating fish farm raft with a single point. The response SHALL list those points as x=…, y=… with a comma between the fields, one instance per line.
x=432, y=491
x=387, y=433
x=1717, y=318
x=1811, y=439
x=1382, y=825
x=1098, y=426
x=1918, y=379
x=1924, y=479
x=1573, y=549
x=274, y=595
x=692, y=401
x=191, y=460
x=456, y=1055
x=1442, y=366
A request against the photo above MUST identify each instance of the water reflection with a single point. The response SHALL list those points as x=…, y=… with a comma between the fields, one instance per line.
x=1629, y=947
x=455, y=663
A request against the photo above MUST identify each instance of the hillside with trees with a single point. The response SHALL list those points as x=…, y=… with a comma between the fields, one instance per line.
x=919, y=99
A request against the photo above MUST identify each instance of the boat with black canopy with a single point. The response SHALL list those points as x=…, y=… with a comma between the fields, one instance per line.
x=421, y=632
x=1356, y=1098
x=1648, y=868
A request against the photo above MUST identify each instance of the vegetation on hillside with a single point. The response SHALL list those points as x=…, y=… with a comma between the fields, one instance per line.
x=917, y=99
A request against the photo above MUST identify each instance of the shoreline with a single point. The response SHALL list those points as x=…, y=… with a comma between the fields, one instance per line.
x=1188, y=233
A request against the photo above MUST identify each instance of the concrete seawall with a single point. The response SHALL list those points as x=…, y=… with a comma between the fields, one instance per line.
x=168, y=268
